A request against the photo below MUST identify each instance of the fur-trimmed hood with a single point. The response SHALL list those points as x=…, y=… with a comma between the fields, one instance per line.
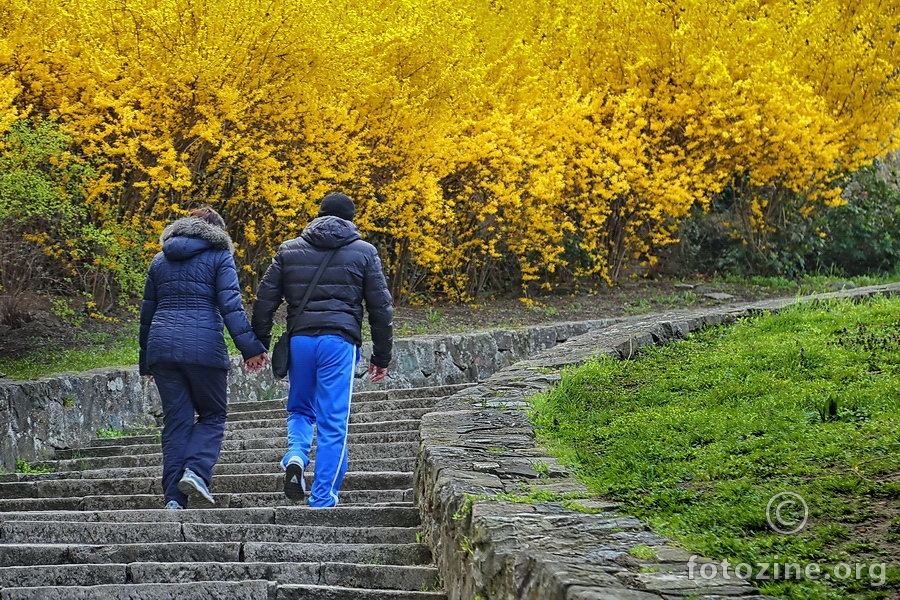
x=190, y=236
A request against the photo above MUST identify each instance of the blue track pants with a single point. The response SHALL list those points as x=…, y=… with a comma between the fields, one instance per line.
x=321, y=382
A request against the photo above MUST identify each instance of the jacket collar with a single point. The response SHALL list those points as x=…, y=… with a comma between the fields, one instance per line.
x=196, y=227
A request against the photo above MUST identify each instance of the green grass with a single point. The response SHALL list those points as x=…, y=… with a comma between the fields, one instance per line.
x=96, y=351
x=810, y=284
x=697, y=436
x=120, y=349
x=23, y=466
x=110, y=432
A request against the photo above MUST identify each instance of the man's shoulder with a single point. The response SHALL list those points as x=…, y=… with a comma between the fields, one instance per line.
x=362, y=251
x=300, y=245
x=295, y=241
x=362, y=246
x=293, y=244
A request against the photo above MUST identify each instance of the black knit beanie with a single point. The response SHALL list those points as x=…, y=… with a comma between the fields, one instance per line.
x=337, y=205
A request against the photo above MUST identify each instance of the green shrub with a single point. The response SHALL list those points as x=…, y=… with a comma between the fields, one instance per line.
x=49, y=238
x=863, y=236
x=859, y=237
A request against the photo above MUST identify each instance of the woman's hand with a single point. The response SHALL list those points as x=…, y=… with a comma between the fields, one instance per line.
x=255, y=364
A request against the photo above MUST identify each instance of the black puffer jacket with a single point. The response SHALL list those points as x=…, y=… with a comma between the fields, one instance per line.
x=352, y=277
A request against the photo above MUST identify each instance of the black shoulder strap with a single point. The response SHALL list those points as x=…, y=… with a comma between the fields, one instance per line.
x=312, y=286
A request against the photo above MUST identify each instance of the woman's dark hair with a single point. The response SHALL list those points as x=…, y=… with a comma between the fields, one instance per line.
x=208, y=214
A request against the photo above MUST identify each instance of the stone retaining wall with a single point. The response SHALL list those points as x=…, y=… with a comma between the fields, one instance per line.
x=38, y=417
x=479, y=472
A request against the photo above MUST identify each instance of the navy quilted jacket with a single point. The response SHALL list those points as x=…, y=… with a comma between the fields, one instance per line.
x=190, y=293
x=353, y=276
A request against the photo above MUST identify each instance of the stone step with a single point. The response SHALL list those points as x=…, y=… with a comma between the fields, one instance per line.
x=57, y=488
x=372, y=423
x=380, y=437
x=260, y=429
x=153, y=501
x=386, y=425
x=152, y=434
x=358, y=452
x=354, y=439
x=373, y=554
x=266, y=468
x=350, y=516
x=220, y=590
x=356, y=416
x=72, y=532
x=280, y=406
x=58, y=575
x=12, y=555
x=127, y=440
x=321, y=592
x=395, y=577
x=407, y=426
x=359, y=398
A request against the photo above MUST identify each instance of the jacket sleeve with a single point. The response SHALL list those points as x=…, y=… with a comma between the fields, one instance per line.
x=269, y=296
x=228, y=299
x=148, y=309
x=379, y=305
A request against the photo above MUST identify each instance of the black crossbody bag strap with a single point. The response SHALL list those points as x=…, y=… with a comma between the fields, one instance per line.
x=312, y=286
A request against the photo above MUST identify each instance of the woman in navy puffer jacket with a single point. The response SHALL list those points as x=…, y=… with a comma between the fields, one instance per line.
x=190, y=293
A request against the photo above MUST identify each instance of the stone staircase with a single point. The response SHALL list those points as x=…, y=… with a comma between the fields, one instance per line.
x=95, y=528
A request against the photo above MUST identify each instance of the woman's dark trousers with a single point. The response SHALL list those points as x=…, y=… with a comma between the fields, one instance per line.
x=189, y=443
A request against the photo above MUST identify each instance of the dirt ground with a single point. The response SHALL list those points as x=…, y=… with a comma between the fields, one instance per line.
x=626, y=299
x=39, y=329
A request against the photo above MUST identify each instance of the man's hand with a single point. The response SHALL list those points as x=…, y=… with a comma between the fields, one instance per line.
x=377, y=373
x=255, y=364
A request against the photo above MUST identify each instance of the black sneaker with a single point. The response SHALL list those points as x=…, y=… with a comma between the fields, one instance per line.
x=294, y=483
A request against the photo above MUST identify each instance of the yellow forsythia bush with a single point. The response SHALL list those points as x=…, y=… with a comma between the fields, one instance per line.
x=490, y=145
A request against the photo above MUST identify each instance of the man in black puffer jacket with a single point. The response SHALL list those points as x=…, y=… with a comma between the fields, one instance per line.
x=325, y=339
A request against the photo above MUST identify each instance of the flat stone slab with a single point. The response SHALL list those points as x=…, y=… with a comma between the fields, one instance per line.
x=318, y=592
x=375, y=534
x=376, y=554
x=221, y=484
x=58, y=575
x=209, y=515
x=360, y=440
x=339, y=516
x=220, y=590
x=25, y=532
x=398, y=577
x=155, y=501
x=274, y=455
x=12, y=555
x=721, y=296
